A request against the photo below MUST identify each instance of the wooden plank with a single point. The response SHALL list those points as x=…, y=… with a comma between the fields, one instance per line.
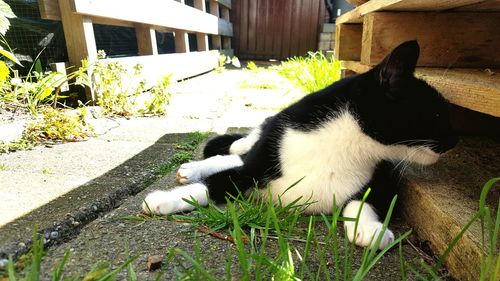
x=470, y=88
x=485, y=6
x=214, y=8
x=474, y=89
x=180, y=66
x=202, y=42
x=355, y=15
x=49, y=9
x=166, y=13
x=62, y=68
x=146, y=40
x=348, y=42
x=225, y=13
x=226, y=42
x=79, y=35
x=355, y=66
x=225, y=3
x=181, y=41
x=446, y=39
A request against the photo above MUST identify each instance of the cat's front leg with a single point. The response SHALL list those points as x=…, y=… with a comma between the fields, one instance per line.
x=243, y=145
x=164, y=202
x=369, y=226
x=198, y=170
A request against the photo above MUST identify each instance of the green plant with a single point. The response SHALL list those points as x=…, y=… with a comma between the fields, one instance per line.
x=120, y=91
x=6, y=14
x=312, y=73
x=59, y=125
x=21, y=144
x=159, y=97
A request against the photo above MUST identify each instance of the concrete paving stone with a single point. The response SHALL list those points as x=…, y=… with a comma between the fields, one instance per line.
x=108, y=237
x=110, y=177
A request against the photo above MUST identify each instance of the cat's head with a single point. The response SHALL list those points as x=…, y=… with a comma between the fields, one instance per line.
x=405, y=111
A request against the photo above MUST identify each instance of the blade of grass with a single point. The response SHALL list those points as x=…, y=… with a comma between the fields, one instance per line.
x=58, y=271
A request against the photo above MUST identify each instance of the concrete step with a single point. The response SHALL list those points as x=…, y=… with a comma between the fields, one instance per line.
x=439, y=200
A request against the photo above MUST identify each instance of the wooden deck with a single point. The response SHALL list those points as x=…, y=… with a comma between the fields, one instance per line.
x=458, y=39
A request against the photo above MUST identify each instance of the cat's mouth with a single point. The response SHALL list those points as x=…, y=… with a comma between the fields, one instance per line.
x=423, y=155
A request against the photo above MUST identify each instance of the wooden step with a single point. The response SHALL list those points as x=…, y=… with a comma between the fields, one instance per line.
x=475, y=89
x=439, y=200
x=356, y=15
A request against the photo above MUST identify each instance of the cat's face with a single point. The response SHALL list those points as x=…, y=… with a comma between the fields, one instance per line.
x=407, y=111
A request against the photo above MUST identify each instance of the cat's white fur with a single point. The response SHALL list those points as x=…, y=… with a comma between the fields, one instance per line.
x=333, y=161
x=198, y=170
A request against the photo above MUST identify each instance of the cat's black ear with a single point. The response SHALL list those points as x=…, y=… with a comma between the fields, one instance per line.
x=399, y=65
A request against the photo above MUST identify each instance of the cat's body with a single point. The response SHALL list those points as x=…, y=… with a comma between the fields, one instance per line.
x=335, y=142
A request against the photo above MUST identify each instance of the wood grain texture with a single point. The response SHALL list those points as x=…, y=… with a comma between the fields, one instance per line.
x=348, y=42
x=49, y=9
x=166, y=13
x=475, y=89
x=356, y=15
x=445, y=39
x=146, y=40
x=180, y=66
x=276, y=29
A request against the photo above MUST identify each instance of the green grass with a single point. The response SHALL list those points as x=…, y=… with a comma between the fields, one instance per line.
x=311, y=73
x=185, y=153
x=276, y=245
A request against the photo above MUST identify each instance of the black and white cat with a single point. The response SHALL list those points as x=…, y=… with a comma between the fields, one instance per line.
x=339, y=141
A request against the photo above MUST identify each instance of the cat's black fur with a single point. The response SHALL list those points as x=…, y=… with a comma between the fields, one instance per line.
x=391, y=105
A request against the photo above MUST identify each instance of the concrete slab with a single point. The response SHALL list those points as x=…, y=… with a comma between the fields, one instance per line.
x=107, y=238
x=441, y=199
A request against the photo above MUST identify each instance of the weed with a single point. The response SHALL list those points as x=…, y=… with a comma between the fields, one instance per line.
x=311, y=73
x=21, y=144
x=59, y=125
x=3, y=167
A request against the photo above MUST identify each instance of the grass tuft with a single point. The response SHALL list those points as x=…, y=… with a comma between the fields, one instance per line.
x=311, y=73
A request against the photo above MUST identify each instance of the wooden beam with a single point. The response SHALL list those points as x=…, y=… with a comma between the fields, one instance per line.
x=165, y=13
x=49, y=9
x=348, y=41
x=179, y=65
x=226, y=42
x=202, y=41
x=79, y=35
x=225, y=13
x=475, y=89
x=356, y=15
x=146, y=40
x=214, y=8
x=225, y=3
x=446, y=39
x=181, y=41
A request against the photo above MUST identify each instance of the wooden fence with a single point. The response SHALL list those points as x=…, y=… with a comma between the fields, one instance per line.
x=276, y=29
x=147, y=16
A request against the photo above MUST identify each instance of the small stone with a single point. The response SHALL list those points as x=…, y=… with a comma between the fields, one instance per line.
x=21, y=245
x=154, y=262
x=54, y=235
x=3, y=263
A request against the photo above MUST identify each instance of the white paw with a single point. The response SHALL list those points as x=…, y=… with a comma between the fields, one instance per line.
x=159, y=203
x=240, y=147
x=367, y=234
x=189, y=173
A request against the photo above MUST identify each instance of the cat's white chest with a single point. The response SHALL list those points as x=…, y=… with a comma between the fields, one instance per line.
x=335, y=160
